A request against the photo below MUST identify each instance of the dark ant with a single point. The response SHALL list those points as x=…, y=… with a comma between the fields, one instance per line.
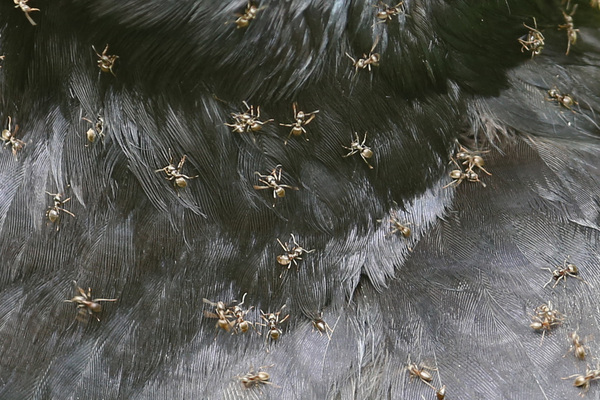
x=26, y=9
x=222, y=313
x=85, y=304
x=246, y=122
x=106, y=62
x=301, y=121
x=577, y=347
x=367, y=60
x=533, y=41
x=458, y=176
x=53, y=212
x=291, y=254
x=420, y=372
x=253, y=379
x=97, y=130
x=249, y=14
x=356, y=146
x=570, y=27
x=273, y=181
x=272, y=321
x=321, y=326
x=583, y=381
x=9, y=139
x=565, y=100
x=174, y=173
x=238, y=313
x=385, y=12
x=563, y=272
x=472, y=158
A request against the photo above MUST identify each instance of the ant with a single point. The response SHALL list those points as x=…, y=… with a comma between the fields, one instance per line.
x=291, y=254
x=583, y=381
x=386, y=12
x=458, y=176
x=53, y=212
x=97, y=130
x=245, y=122
x=565, y=100
x=570, y=27
x=321, y=326
x=85, y=304
x=174, y=173
x=106, y=62
x=252, y=379
x=356, y=146
x=472, y=158
x=577, y=347
x=272, y=321
x=563, y=272
x=534, y=40
x=367, y=60
x=239, y=315
x=398, y=227
x=26, y=9
x=249, y=14
x=545, y=318
x=222, y=313
x=273, y=181
x=8, y=137
x=441, y=393
x=420, y=372
x=301, y=121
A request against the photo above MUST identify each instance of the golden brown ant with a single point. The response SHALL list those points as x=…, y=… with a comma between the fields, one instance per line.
x=273, y=181
x=321, y=326
x=367, y=60
x=238, y=313
x=577, y=346
x=563, y=272
x=385, y=12
x=356, y=146
x=247, y=121
x=533, y=41
x=106, y=62
x=222, y=313
x=420, y=372
x=570, y=27
x=253, y=379
x=471, y=158
x=441, y=393
x=9, y=139
x=97, y=130
x=458, y=175
x=291, y=254
x=565, y=100
x=53, y=212
x=86, y=306
x=26, y=9
x=545, y=318
x=583, y=381
x=301, y=121
x=398, y=227
x=272, y=321
x=249, y=14
x=174, y=173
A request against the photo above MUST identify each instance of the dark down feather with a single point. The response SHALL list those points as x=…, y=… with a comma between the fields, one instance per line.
x=456, y=294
